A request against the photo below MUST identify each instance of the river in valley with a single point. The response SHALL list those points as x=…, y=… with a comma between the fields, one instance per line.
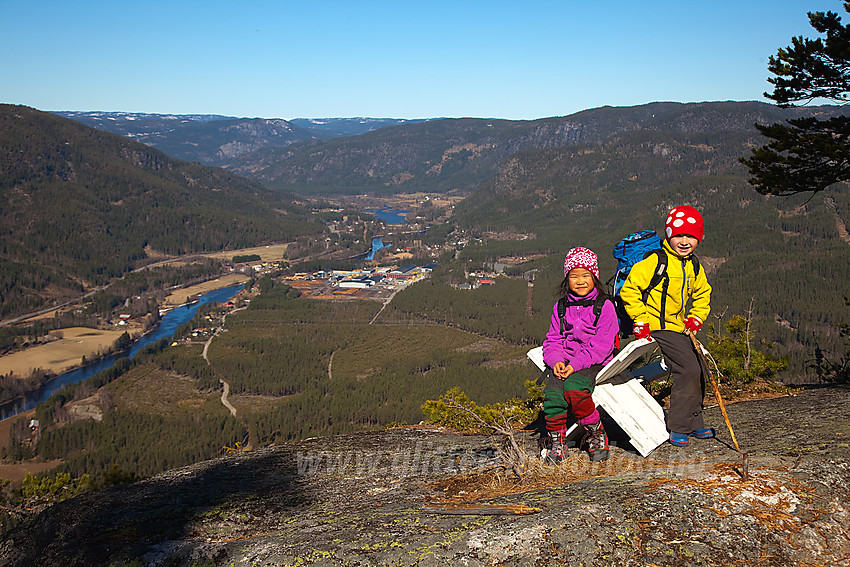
x=168, y=325
x=389, y=214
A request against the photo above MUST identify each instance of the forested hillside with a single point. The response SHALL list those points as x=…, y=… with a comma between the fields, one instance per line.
x=460, y=154
x=81, y=206
x=790, y=257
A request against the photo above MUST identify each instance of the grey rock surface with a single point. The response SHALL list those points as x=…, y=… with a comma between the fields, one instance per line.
x=378, y=499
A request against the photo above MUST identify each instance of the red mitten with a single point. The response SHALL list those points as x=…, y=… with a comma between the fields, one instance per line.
x=641, y=331
x=693, y=324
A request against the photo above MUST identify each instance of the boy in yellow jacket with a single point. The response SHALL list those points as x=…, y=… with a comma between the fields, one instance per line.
x=659, y=313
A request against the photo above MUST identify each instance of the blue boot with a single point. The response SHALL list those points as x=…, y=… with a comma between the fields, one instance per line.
x=707, y=433
x=678, y=439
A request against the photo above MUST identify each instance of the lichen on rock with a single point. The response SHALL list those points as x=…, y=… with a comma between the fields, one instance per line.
x=375, y=499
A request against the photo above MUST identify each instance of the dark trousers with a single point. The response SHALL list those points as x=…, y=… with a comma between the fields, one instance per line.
x=686, y=395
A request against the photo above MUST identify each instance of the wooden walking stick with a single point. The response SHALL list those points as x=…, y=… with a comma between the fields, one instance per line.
x=700, y=352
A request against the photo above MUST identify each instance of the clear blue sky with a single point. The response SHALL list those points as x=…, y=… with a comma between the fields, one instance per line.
x=390, y=58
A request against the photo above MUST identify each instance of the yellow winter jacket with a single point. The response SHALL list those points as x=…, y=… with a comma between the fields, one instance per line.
x=682, y=284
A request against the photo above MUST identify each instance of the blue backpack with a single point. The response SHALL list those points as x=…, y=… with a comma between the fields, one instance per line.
x=631, y=250
x=628, y=252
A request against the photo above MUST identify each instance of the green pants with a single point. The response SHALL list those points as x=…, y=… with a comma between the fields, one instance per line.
x=572, y=395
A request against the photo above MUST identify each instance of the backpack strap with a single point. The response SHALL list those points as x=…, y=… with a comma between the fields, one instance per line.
x=695, y=262
x=562, y=310
x=597, y=305
x=660, y=275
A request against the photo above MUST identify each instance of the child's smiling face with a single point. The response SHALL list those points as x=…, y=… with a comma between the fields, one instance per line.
x=683, y=245
x=581, y=281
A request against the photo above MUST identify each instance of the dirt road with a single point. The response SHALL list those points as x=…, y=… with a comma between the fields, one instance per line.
x=225, y=391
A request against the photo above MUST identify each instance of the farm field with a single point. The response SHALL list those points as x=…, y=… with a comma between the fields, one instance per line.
x=268, y=253
x=61, y=354
x=181, y=296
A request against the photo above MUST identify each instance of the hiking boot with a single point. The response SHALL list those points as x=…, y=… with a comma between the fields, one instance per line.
x=556, y=447
x=597, y=441
x=678, y=439
x=706, y=433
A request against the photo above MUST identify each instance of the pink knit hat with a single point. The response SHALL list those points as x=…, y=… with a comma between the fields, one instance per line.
x=581, y=258
x=684, y=220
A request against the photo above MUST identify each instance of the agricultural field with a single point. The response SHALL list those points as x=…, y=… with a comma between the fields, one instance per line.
x=66, y=351
x=181, y=296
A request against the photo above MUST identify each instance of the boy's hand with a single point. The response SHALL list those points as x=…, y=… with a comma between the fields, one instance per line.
x=562, y=370
x=641, y=331
x=693, y=324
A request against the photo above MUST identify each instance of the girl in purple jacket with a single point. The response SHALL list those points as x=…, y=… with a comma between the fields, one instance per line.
x=576, y=348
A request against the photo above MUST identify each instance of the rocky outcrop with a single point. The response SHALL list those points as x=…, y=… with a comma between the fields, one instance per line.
x=428, y=497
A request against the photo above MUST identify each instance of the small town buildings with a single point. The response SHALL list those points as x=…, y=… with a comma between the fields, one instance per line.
x=406, y=271
x=357, y=283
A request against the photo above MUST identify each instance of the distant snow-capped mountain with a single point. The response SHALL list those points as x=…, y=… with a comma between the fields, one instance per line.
x=213, y=139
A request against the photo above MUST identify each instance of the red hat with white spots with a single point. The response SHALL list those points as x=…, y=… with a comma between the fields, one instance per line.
x=581, y=258
x=684, y=220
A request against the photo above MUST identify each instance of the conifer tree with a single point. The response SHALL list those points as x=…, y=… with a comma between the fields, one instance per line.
x=807, y=154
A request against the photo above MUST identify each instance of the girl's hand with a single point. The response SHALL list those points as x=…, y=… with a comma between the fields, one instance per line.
x=562, y=370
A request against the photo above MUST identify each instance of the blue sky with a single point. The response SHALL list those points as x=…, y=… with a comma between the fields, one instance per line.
x=400, y=59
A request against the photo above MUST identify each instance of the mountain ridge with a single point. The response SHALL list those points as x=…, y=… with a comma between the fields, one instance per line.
x=66, y=185
x=213, y=139
x=459, y=154
x=384, y=156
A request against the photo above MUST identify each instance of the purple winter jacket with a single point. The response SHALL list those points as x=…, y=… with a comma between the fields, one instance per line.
x=581, y=345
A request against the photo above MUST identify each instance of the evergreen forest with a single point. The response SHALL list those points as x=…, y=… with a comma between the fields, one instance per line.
x=83, y=207
x=296, y=369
